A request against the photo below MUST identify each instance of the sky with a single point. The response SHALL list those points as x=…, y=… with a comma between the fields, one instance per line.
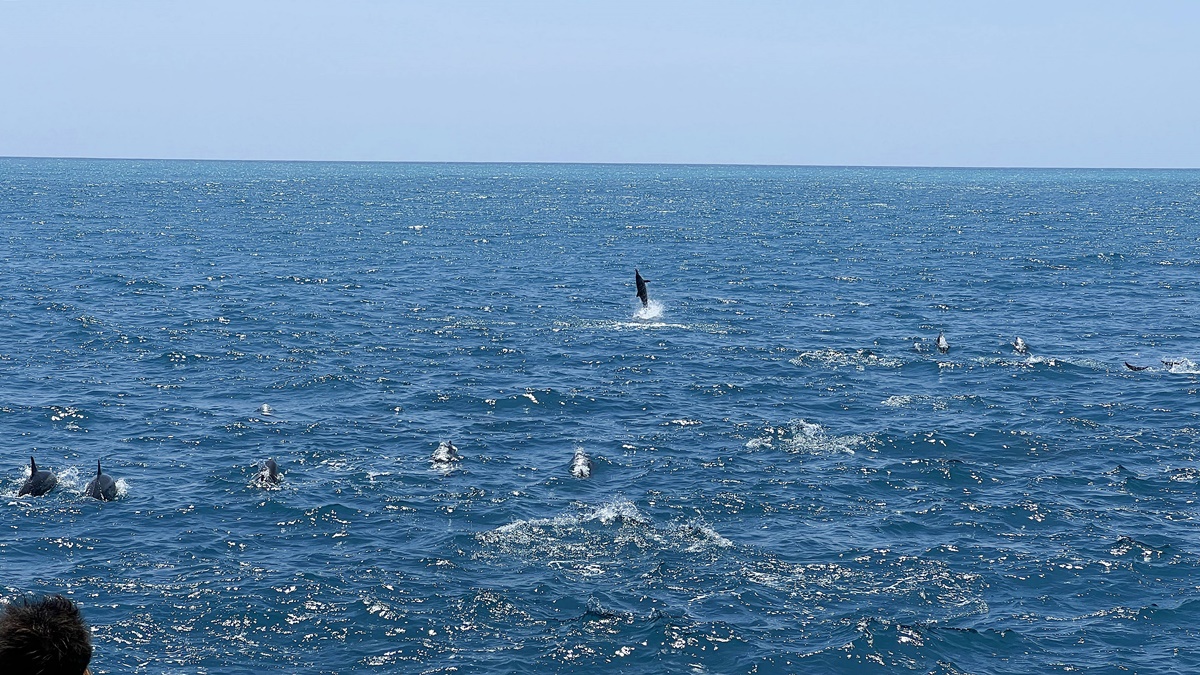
x=888, y=83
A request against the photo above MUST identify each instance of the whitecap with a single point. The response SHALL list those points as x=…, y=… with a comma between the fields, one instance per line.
x=596, y=540
x=803, y=437
x=859, y=359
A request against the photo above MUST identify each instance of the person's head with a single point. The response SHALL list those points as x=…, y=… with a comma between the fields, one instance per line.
x=46, y=636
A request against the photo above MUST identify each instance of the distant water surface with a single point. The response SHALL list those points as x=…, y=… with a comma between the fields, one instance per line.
x=785, y=474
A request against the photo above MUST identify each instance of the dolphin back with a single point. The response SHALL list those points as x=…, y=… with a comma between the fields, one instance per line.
x=38, y=483
x=445, y=453
x=268, y=474
x=102, y=487
x=581, y=465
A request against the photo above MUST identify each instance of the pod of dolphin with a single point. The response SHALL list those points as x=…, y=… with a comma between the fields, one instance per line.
x=41, y=481
x=103, y=487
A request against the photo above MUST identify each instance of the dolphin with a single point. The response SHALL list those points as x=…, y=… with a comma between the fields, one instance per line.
x=641, y=288
x=445, y=453
x=1019, y=346
x=942, y=345
x=269, y=473
x=1133, y=367
x=102, y=487
x=39, y=482
x=581, y=464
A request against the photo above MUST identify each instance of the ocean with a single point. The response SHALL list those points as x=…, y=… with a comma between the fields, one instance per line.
x=780, y=472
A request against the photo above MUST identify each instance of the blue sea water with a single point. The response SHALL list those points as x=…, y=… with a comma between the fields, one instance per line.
x=786, y=476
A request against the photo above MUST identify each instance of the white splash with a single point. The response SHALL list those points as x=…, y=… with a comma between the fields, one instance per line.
x=1182, y=366
x=652, y=310
x=618, y=511
x=68, y=479
x=705, y=537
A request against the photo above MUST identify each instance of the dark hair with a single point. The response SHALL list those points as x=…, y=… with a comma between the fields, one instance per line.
x=47, y=636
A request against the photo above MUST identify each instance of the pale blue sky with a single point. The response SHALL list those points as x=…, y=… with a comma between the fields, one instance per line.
x=957, y=83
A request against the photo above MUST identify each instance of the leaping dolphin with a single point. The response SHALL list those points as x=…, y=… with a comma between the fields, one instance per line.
x=102, y=487
x=38, y=483
x=641, y=288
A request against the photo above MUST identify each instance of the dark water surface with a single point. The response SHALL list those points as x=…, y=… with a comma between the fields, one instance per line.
x=786, y=475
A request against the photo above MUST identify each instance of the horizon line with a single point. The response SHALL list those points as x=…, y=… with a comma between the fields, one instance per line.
x=601, y=163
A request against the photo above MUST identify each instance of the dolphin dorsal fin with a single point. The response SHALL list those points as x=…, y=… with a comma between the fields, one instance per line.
x=98, y=467
x=32, y=466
